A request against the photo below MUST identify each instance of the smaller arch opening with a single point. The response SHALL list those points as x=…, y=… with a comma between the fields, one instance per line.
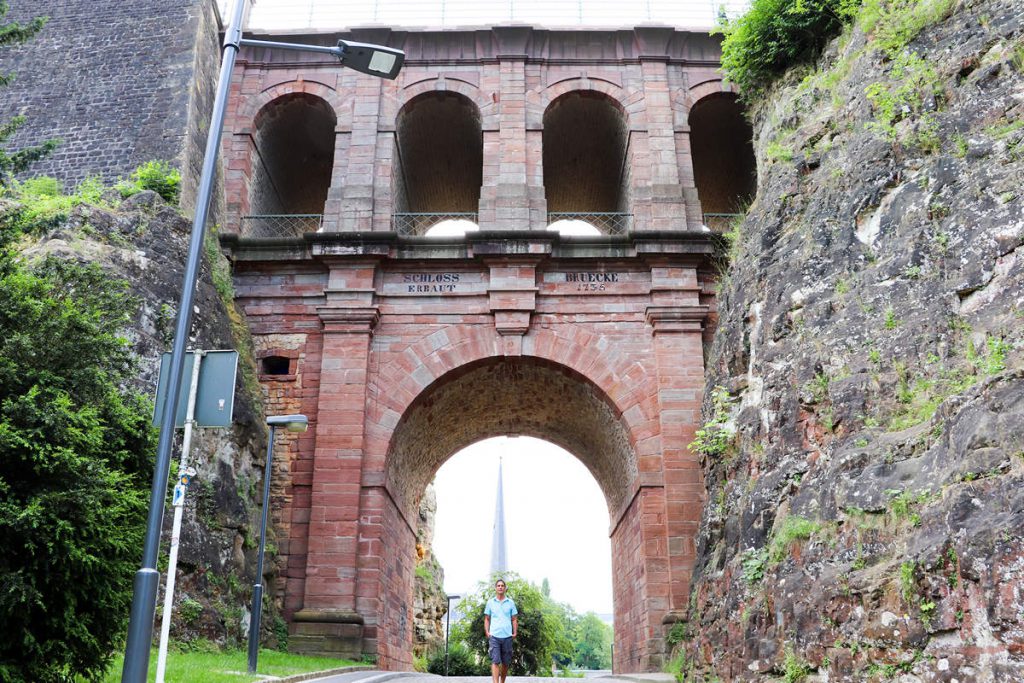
x=724, y=167
x=292, y=161
x=586, y=174
x=451, y=228
x=275, y=365
x=574, y=227
x=438, y=166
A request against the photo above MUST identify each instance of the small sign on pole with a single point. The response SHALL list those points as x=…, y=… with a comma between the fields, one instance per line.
x=216, y=394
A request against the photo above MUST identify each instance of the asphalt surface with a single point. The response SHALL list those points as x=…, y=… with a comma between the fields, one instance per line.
x=410, y=677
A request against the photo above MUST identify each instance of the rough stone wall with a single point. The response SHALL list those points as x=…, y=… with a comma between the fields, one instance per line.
x=145, y=242
x=429, y=602
x=865, y=520
x=118, y=83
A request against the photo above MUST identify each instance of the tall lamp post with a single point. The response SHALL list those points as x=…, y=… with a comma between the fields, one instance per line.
x=294, y=423
x=447, y=627
x=375, y=60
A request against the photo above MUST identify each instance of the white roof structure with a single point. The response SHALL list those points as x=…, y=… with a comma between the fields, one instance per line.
x=334, y=15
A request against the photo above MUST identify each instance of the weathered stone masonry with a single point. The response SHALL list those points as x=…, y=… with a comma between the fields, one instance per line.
x=404, y=349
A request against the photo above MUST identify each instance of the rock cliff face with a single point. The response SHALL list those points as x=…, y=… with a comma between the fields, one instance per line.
x=430, y=604
x=145, y=242
x=864, y=439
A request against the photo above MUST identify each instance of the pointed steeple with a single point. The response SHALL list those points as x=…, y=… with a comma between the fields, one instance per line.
x=499, y=546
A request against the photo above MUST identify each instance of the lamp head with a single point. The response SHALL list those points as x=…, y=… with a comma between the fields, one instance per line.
x=453, y=597
x=376, y=60
x=294, y=423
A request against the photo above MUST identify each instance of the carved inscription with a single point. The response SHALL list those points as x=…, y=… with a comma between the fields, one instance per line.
x=430, y=283
x=591, y=281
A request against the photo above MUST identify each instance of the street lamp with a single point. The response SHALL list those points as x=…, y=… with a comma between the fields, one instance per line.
x=294, y=423
x=447, y=626
x=376, y=60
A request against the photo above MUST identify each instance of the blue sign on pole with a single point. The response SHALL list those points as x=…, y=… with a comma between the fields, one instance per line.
x=215, y=396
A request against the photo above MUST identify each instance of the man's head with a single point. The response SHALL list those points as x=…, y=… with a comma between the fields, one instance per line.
x=499, y=588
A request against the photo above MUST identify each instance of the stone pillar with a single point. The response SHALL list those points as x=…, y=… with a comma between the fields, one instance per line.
x=329, y=622
x=658, y=202
x=509, y=198
x=677, y=318
x=355, y=205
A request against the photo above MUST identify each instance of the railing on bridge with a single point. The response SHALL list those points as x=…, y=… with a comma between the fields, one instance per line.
x=418, y=223
x=721, y=222
x=608, y=222
x=281, y=224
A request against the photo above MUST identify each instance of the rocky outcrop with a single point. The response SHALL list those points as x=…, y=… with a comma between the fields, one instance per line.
x=430, y=604
x=145, y=242
x=865, y=509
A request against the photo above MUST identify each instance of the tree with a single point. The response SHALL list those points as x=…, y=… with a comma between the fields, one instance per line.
x=541, y=633
x=592, y=642
x=15, y=33
x=74, y=446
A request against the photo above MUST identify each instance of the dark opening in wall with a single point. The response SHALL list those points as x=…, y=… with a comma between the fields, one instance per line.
x=293, y=156
x=439, y=162
x=721, y=145
x=585, y=147
x=275, y=365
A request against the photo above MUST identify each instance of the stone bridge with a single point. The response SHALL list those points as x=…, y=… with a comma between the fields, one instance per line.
x=404, y=345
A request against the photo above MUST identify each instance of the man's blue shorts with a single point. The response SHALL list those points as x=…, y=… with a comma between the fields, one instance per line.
x=500, y=650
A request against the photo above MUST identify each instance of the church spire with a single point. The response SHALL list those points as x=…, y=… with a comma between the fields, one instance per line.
x=499, y=546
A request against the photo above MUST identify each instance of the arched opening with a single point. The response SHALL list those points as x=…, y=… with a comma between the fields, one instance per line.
x=451, y=228
x=438, y=166
x=519, y=396
x=585, y=143
x=574, y=227
x=292, y=161
x=555, y=524
x=724, y=168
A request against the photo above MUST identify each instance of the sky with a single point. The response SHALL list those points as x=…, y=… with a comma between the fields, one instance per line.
x=556, y=520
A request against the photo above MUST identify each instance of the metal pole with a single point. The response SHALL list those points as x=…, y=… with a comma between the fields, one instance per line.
x=179, y=507
x=257, y=589
x=147, y=578
x=447, y=626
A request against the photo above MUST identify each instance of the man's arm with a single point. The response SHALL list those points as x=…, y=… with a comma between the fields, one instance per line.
x=515, y=625
x=487, y=625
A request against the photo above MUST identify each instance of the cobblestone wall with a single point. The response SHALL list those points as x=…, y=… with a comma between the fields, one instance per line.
x=118, y=83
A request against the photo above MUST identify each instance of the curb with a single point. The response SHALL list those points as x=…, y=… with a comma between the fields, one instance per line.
x=380, y=676
x=310, y=675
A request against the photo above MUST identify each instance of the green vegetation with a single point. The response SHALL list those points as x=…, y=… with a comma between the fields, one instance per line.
x=794, y=669
x=11, y=162
x=753, y=564
x=212, y=666
x=893, y=24
x=907, y=580
x=158, y=176
x=775, y=35
x=912, y=82
x=550, y=633
x=75, y=444
x=715, y=438
x=793, y=529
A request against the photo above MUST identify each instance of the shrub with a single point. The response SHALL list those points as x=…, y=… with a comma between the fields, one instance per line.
x=461, y=662
x=775, y=35
x=74, y=468
x=158, y=176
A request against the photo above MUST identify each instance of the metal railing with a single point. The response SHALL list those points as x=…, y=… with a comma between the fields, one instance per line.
x=720, y=222
x=281, y=224
x=419, y=223
x=608, y=223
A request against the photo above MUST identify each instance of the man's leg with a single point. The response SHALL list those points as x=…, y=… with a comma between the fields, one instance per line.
x=506, y=658
x=495, y=673
x=504, y=672
x=494, y=650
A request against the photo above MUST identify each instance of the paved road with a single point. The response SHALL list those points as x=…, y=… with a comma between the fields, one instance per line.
x=406, y=677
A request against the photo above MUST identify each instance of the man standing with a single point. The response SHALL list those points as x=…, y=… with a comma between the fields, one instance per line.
x=500, y=626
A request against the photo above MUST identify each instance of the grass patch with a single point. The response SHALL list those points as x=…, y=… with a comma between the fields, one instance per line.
x=228, y=667
x=792, y=529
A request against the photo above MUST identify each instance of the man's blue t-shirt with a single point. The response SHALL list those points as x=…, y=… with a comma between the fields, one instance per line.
x=501, y=613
